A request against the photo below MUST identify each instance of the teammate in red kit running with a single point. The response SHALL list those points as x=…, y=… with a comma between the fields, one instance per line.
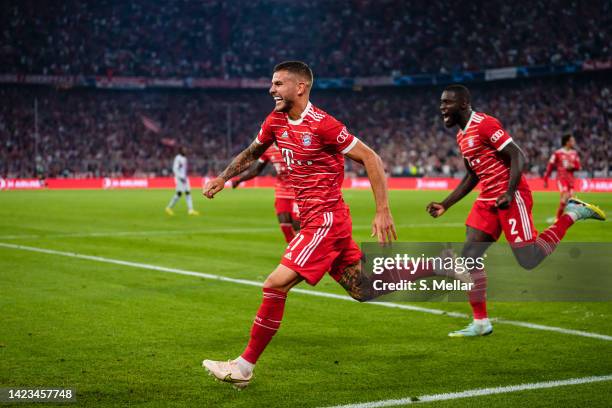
x=492, y=158
x=287, y=210
x=313, y=145
x=566, y=161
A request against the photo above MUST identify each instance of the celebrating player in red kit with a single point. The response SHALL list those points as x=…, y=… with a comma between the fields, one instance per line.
x=313, y=145
x=287, y=210
x=566, y=161
x=492, y=158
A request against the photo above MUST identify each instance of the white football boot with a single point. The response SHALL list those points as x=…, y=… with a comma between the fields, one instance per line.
x=227, y=371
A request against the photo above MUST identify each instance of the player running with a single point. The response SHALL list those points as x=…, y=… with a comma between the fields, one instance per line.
x=566, y=161
x=287, y=210
x=492, y=158
x=179, y=168
x=313, y=145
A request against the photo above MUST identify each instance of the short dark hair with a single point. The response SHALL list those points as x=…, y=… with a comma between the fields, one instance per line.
x=296, y=67
x=565, y=138
x=460, y=90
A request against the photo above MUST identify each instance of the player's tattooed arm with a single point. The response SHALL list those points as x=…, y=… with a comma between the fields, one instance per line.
x=517, y=159
x=467, y=184
x=253, y=171
x=244, y=160
x=356, y=284
x=240, y=163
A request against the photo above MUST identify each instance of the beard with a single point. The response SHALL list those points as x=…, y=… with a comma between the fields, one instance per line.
x=284, y=106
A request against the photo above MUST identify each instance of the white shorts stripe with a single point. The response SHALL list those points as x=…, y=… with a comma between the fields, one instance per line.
x=524, y=217
x=313, y=241
x=316, y=243
x=316, y=240
x=527, y=225
x=299, y=238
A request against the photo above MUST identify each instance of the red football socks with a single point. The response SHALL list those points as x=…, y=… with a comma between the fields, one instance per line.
x=478, y=294
x=266, y=324
x=560, y=209
x=288, y=231
x=547, y=241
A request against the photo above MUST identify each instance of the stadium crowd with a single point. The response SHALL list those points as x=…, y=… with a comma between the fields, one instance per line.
x=338, y=38
x=85, y=133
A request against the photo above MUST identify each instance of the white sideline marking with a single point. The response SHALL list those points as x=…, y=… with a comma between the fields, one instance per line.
x=139, y=233
x=298, y=290
x=203, y=231
x=477, y=392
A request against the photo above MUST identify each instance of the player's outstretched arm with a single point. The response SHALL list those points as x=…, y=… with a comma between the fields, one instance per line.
x=382, y=226
x=577, y=166
x=513, y=154
x=549, y=169
x=467, y=184
x=253, y=171
x=240, y=163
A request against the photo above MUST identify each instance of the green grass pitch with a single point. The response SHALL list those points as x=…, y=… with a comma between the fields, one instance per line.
x=123, y=336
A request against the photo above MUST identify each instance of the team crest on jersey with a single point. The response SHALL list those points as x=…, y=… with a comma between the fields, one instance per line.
x=471, y=142
x=306, y=139
x=285, y=134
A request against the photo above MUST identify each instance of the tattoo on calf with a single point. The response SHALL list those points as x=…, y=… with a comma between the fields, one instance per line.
x=356, y=283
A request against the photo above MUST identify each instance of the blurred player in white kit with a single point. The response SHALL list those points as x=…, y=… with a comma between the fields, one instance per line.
x=179, y=168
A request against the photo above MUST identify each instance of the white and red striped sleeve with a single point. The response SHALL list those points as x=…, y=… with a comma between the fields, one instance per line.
x=493, y=134
x=265, y=135
x=334, y=133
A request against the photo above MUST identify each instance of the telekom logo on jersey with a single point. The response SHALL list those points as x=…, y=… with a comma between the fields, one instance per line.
x=288, y=157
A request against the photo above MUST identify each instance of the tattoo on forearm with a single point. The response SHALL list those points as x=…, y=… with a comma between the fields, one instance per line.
x=243, y=161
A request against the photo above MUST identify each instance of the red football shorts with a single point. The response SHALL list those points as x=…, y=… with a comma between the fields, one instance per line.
x=287, y=205
x=565, y=186
x=516, y=221
x=324, y=245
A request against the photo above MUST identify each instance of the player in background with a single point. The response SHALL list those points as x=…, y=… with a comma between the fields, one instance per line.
x=287, y=210
x=179, y=168
x=313, y=144
x=566, y=161
x=492, y=158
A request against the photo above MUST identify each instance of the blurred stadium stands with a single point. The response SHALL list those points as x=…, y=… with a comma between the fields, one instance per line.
x=88, y=132
x=100, y=133
x=337, y=38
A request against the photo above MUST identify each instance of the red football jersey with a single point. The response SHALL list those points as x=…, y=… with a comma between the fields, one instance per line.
x=480, y=142
x=283, y=187
x=565, y=162
x=313, y=148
